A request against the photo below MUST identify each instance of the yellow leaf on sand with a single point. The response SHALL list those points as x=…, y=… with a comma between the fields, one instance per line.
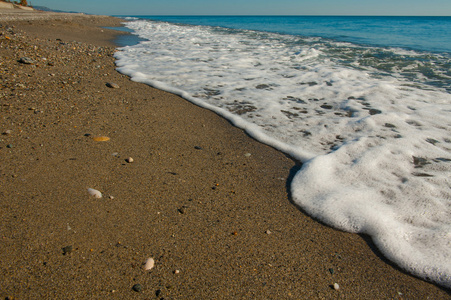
x=101, y=138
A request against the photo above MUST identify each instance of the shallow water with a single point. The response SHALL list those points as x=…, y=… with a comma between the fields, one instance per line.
x=371, y=124
x=127, y=39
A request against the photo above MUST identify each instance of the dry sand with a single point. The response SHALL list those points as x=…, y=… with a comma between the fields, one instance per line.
x=218, y=223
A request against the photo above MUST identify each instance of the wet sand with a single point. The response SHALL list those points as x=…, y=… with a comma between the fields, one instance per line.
x=217, y=221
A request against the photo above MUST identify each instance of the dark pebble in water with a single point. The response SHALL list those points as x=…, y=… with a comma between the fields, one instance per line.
x=311, y=83
x=432, y=141
x=137, y=288
x=289, y=114
x=389, y=125
x=443, y=159
x=419, y=161
x=67, y=250
x=375, y=111
x=262, y=86
x=326, y=106
x=298, y=100
x=422, y=174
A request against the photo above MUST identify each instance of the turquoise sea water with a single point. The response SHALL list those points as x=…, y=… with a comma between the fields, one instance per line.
x=363, y=102
x=416, y=33
x=369, y=37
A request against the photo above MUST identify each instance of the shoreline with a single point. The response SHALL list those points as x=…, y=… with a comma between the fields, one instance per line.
x=217, y=222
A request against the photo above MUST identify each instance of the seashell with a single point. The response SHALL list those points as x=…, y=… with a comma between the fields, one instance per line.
x=101, y=138
x=112, y=85
x=95, y=193
x=150, y=263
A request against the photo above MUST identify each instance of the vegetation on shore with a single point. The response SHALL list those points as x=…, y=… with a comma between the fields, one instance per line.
x=21, y=2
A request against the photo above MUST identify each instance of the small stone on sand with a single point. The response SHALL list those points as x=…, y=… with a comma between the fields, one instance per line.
x=137, y=288
x=67, y=250
x=129, y=160
x=95, y=193
x=101, y=138
x=112, y=85
x=26, y=61
x=336, y=286
x=150, y=263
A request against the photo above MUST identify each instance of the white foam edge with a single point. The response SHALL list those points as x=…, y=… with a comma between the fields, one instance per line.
x=251, y=129
x=320, y=192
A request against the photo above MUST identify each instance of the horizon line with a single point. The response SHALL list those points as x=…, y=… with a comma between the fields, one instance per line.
x=244, y=15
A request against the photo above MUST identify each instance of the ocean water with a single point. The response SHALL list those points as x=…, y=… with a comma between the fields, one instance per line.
x=363, y=102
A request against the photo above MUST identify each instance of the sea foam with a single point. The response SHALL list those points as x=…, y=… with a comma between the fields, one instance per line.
x=371, y=128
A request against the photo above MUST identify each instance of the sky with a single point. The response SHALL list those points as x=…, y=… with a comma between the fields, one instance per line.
x=253, y=7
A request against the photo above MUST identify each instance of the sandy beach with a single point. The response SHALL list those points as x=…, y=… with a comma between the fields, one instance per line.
x=209, y=204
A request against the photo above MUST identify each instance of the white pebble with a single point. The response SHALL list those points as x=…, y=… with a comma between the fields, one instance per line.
x=129, y=160
x=95, y=193
x=177, y=272
x=247, y=155
x=150, y=263
x=336, y=286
